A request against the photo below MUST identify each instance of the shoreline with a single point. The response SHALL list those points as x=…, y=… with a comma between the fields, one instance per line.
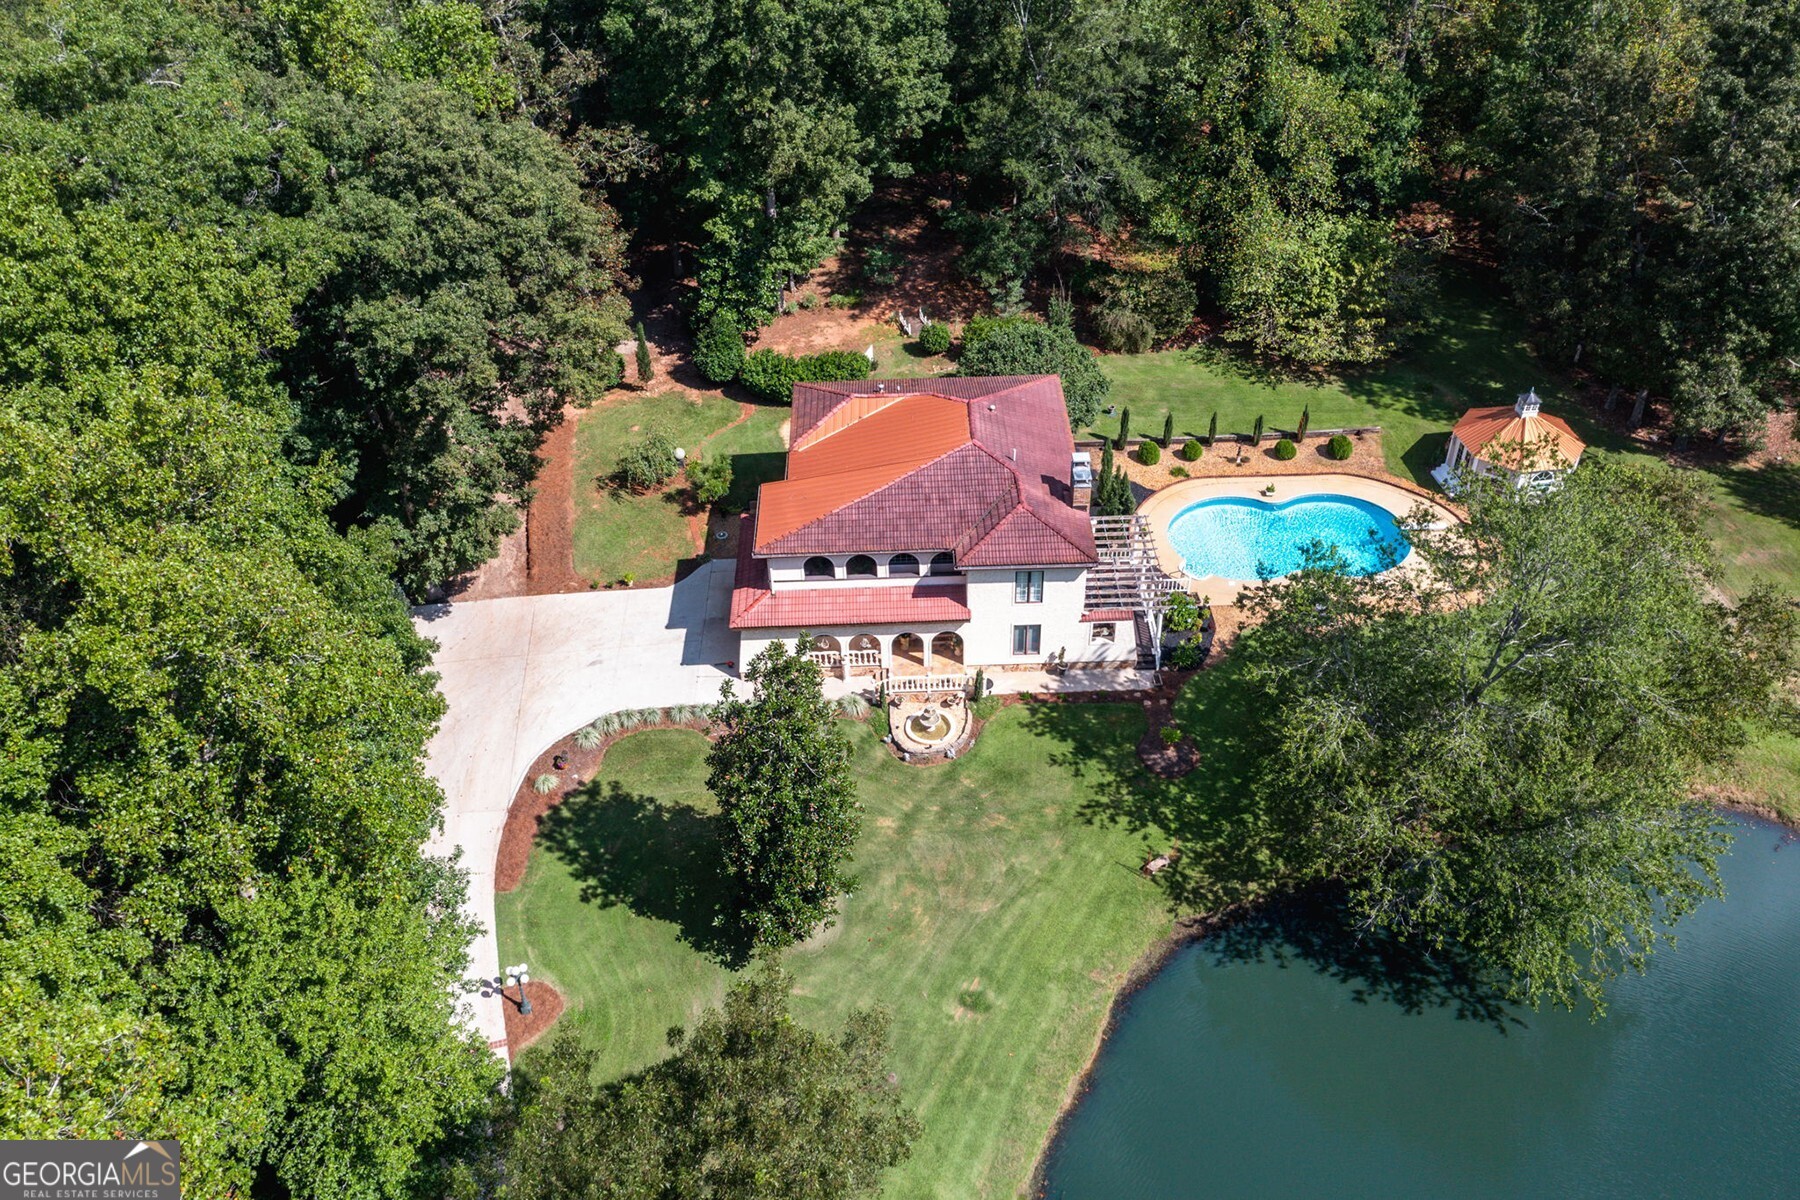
x=1188, y=930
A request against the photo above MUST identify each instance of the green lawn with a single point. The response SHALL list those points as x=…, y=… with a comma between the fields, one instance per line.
x=1474, y=353
x=995, y=920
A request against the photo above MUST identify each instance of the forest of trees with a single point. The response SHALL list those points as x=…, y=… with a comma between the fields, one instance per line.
x=292, y=290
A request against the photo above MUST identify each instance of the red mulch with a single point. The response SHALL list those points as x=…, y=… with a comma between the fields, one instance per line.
x=550, y=522
x=522, y=1030
x=1162, y=759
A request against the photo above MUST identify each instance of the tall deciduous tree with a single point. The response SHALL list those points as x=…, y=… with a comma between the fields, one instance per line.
x=1498, y=753
x=750, y=1104
x=781, y=772
x=771, y=119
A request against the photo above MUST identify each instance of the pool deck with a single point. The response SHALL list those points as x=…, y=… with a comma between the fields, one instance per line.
x=1162, y=506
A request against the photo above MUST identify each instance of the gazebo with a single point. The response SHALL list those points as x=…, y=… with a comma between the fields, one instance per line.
x=1518, y=443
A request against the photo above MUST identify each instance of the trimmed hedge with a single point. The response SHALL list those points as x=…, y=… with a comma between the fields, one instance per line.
x=771, y=375
x=1191, y=450
x=1149, y=454
x=1340, y=447
x=1285, y=450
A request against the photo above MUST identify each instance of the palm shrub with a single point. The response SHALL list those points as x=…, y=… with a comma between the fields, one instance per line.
x=544, y=784
x=589, y=736
x=1149, y=454
x=1339, y=447
x=719, y=350
x=1284, y=450
x=710, y=479
x=935, y=338
x=1191, y=450
x=647, y=464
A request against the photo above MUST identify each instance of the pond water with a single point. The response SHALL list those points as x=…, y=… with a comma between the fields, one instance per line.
x=1277, y=1070
x=1231, y=536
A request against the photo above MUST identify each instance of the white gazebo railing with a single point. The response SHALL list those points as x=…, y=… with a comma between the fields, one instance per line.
x=862, y=658
x=826, y=658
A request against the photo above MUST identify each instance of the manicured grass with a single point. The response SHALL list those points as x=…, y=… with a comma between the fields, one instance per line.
x=1473, y=353
x=756, y=451
x=997, y=910
x=617, y=532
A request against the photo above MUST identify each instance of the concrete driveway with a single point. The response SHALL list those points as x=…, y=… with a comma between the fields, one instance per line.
x=520, y=673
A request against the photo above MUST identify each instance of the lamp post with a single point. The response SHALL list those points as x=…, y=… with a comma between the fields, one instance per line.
x=520, y=976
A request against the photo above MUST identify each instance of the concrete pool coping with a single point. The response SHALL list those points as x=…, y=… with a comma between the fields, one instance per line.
x=1162, y=506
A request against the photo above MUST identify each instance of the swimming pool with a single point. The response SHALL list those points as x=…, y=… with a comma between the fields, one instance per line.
x=1229, y=536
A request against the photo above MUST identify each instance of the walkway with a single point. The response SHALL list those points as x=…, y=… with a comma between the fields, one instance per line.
x=520, y=673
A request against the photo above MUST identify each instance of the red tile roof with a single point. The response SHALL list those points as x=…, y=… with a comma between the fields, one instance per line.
x=926, y=601
x=1108, y=614
x=976, y=466
x=1518, y=443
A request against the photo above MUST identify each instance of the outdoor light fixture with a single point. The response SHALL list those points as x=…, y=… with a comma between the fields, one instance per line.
x=520, y=976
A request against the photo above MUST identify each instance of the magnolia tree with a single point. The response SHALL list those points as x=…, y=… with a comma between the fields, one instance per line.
x=781, y=772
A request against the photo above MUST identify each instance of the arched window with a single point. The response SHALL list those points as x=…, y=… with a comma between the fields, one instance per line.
x=819, y=567
x=903, y=564
x=860, y=566
x=943, y=563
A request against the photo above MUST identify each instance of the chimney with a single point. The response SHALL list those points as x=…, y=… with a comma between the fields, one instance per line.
x=1081, y=479
x=1528, y=404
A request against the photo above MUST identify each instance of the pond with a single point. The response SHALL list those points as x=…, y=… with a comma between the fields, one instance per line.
x=1275, y=1067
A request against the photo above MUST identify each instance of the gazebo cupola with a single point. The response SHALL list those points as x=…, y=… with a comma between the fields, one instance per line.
x=1519, y=443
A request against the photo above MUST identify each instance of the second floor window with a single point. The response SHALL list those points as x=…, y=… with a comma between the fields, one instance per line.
x=1028, y=587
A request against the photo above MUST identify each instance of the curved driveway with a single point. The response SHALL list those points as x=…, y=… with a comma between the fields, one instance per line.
x=520, y=673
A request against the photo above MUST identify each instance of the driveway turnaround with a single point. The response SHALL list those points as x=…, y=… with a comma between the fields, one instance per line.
x=522, y=672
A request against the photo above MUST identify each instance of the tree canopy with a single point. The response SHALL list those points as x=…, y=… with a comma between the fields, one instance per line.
x=1496, y=753
x=1028, y=348
x=787, y=799
x=750, y=1104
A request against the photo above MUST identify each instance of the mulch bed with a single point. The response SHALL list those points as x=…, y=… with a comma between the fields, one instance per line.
x=1162, y=759
x=546, y=1006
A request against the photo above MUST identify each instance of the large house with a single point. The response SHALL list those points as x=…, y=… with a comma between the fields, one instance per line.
x=926, y=527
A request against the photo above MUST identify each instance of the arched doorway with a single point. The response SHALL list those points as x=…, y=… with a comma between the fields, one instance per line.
x=826, y=650
x=947, y=653
x=909, y=654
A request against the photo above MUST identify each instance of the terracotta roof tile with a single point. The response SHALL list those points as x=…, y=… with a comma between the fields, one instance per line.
x=1514, y=437
x=755, y=606
x=977, y=466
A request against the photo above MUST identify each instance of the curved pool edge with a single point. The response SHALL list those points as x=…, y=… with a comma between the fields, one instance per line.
x=1163, y=505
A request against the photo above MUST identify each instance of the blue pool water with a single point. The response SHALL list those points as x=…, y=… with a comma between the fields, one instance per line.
x=1231, y=536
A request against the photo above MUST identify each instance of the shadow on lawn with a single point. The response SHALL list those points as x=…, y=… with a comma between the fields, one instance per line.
x=1232, y=849
x=1772, y=490
x=659, y=860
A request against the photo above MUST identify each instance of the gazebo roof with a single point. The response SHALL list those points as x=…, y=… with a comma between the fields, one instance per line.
x=1519, y=437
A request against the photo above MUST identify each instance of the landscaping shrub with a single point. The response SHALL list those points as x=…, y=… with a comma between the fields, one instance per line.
x=770, y=376
x=644, y=367
x=985, y=708
x=1168, y=433
x=809, y=301
x=1191, y=450
x=854, y=707
x=878, y=720
x=980, y=329
x=834, y=364
x=543, y=785
x=710, y=479
x=1284, y=450
x=1171, y=735
x=935, y=338
x=648, y=464
x=1339, y=447
x=1120, y=330
x=719, y=350
x=1178, y=472
x=1124, y=428
x=1186, y=657
x=881, y=264
x=1149, y=454
x=844, y=299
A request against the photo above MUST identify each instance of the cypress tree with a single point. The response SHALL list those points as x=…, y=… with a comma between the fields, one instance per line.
x=1124, y=427
x=1212, y=430
x=1305, y=418
x=1168, y=429
x=644, y=370
x=1256, y=432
